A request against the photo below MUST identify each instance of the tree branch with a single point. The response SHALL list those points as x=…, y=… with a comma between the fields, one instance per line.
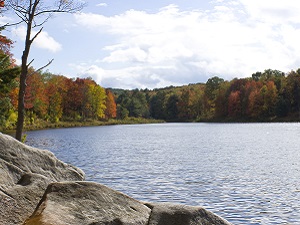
x=41, y=68
x=30, y=63
x=35, y=36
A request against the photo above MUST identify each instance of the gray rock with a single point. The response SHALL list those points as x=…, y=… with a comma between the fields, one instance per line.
x=87, y=203
x=25, y=175
x=173, y=214
x=36, y=161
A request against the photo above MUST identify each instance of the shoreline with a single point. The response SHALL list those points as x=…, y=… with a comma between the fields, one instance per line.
x=43, y=125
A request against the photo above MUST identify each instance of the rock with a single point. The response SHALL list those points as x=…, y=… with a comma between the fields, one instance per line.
x=173, y=214
x=25, y=175
x=36, y=161
x=87, y=203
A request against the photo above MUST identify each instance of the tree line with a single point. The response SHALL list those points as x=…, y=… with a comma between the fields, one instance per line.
x=270, y=95
x=55, y=98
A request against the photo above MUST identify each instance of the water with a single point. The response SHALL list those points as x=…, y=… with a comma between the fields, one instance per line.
x=246, y=173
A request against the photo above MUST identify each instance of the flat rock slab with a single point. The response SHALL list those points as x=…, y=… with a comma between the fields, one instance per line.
x=87, y=203
x=173, y=214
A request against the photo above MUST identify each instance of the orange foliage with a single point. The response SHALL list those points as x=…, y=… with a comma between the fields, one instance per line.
x=111, y=107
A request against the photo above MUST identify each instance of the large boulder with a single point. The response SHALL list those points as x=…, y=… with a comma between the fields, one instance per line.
x=87, y=203
x=25, y=175
x=174, y=214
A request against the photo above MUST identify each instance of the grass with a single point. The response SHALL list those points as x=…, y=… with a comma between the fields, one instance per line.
x=42, y=124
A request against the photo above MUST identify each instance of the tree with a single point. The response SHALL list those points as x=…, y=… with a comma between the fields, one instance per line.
x=35, y=95
x=211, y=91
x=212, y=85
x=157, y=105
x=123, y=102
x=8, y=73
x=185, y=105
x=172, y=108
x=293, y=91
x=111, y=107
x=73, y=99
x=221, y=102
x=138, y=106
x=270, y=98
x=96, y=100
x=55, y=90
x=234, y=105
x=34, y=13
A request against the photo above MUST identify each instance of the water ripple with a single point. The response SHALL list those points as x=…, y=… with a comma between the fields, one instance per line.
x=246, y=173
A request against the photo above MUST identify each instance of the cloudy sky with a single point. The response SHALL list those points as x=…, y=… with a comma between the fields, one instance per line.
x=149, y=44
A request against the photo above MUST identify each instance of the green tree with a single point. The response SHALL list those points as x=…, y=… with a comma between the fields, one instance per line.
x=138, y=106
x=212, y=86
x=157, y=105
x=123, y=102
x=292, y=90
x=8, y=73
x=122, y=112
x=211, y=91
x=172, y=108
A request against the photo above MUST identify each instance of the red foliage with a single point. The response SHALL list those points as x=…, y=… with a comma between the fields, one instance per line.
x=234, y=104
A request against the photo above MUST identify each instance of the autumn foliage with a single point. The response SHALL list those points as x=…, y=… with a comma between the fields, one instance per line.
x=265, y=96
x=53, y=98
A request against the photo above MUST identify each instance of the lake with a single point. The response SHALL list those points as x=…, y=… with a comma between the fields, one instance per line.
x=246, y=173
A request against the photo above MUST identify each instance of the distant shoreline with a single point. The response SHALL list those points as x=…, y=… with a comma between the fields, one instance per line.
x=42, y=125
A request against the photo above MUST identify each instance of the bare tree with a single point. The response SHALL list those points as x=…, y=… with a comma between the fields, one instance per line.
x=34, y=14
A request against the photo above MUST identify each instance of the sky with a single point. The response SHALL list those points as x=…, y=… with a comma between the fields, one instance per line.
x=151, y=44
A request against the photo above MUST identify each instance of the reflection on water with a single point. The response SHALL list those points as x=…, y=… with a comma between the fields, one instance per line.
x=246, y=173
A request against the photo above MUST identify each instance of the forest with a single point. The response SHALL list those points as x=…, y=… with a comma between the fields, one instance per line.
x=270, y=95
x=267, y=96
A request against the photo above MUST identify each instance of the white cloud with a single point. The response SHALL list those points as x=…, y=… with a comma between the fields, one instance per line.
x=43, y=40
x=234, y=39
x=273, y=11
x=102, y=4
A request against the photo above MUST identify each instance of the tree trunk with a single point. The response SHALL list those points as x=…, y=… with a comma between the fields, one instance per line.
x=23, y=77
x=21, y=110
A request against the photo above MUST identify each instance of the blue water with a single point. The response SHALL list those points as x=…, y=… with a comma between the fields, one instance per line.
x=246, y=173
